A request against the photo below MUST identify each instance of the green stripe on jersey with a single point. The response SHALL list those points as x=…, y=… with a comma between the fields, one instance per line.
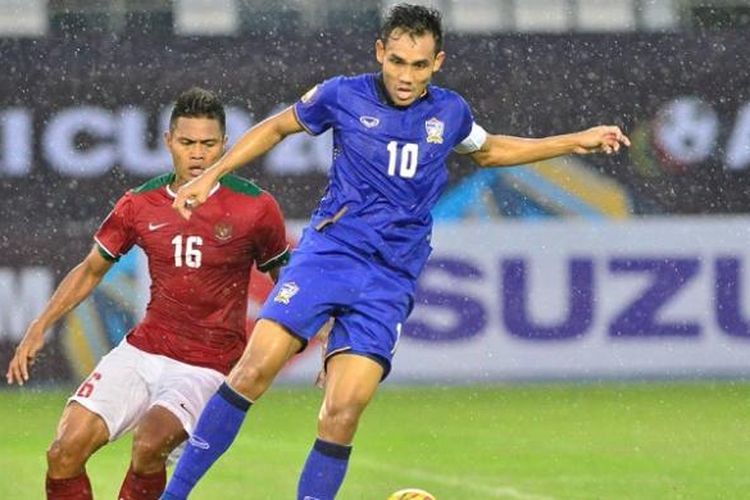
x=106, y=254
x=155, y=183
x=278, y=261
x=240, y=185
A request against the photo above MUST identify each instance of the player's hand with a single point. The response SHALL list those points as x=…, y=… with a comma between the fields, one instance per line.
x=26, y=352
x=603, y=139
x=194, y=194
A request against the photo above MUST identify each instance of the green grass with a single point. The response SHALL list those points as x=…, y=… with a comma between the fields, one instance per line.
x=591, y=441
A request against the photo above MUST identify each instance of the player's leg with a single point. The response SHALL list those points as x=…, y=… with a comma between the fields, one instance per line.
x=80, y=433
x=270, y=347
x=157, y=434
x=309, y=289
x=178, y=393
x=351, y=382
x=106, y=405
x=360, y=348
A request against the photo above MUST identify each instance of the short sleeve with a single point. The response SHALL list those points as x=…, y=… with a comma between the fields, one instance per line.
x=116, y=235
x=465, y=121
x=272, y=248
x=316, y=110
x=473, y=142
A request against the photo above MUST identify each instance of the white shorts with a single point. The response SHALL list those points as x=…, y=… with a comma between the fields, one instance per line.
x=127, y=382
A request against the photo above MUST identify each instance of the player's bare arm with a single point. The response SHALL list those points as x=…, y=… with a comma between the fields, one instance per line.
x=504, y=150
x=254, y=143
x=73, y=289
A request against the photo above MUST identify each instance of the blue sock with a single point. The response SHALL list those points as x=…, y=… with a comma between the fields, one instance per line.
x=324, y=471
x=217, y=427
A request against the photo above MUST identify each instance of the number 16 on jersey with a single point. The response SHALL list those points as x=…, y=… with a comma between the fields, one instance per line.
x=192, y=253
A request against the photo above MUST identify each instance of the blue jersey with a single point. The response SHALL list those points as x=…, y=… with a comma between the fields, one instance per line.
x=388, y=166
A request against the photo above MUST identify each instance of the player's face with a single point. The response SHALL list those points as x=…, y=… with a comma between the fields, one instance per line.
x=408, y=64
x=195, y=144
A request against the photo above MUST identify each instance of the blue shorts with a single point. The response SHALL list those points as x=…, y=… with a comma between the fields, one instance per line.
x=324, y=279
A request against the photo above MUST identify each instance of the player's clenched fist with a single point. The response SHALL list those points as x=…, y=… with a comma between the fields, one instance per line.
x=193, y=194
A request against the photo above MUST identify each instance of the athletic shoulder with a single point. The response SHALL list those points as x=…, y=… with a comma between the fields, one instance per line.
x=356, y=80
x=148, y=193
x=448, y=96
x=455, y=110
x=351, y=83
x=153, y=184
x=241, y=186
x=348, y=79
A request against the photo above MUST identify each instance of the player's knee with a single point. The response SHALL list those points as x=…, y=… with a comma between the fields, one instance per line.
x=338, y=422
x=250, y=381
x=148, y=455
x=65, y=456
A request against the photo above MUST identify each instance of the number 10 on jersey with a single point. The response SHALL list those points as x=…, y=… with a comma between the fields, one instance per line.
x=408, y=164
x=192, y=254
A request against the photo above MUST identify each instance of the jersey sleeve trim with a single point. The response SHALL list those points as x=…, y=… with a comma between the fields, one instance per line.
x=301, y=123
x=104, y=252
x=276, y=261
x=473, y=142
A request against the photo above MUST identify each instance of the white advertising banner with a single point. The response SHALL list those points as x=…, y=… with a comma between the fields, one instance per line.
x=578, y=299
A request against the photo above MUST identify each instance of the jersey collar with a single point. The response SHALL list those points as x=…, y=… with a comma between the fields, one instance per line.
x=172, y=194
x=386, y=99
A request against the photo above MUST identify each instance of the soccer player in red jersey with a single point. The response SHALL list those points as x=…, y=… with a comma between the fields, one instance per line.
x=157, y=380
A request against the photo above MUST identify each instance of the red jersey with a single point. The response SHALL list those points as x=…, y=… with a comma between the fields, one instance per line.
x=200, y=268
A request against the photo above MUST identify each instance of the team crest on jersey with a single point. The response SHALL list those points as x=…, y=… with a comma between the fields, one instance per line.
x=223, y=231
x=434, y=128
x=309, y=95
x=287, y=291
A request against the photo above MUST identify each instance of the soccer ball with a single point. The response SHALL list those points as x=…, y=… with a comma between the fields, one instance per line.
x=411, y=494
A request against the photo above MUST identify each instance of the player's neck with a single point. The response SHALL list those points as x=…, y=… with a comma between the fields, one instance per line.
x=176, y=184
x=385, y=97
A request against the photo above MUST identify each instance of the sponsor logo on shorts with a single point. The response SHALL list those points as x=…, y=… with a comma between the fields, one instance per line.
x=286, y=292
x=199, y=442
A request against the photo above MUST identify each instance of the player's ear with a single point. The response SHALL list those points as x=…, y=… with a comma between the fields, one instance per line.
x=379, y=50
x=167, y=137
x=439, y=59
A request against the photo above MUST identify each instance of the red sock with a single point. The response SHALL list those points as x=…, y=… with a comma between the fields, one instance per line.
x=72, y=488
x=143, y=487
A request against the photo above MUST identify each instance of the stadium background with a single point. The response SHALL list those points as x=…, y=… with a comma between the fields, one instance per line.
x=581, y=269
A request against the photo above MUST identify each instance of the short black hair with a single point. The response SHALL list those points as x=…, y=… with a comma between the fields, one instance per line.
x=416, y=20
x=197, y=102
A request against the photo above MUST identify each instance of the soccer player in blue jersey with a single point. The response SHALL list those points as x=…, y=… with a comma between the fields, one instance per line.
x=367, y=243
